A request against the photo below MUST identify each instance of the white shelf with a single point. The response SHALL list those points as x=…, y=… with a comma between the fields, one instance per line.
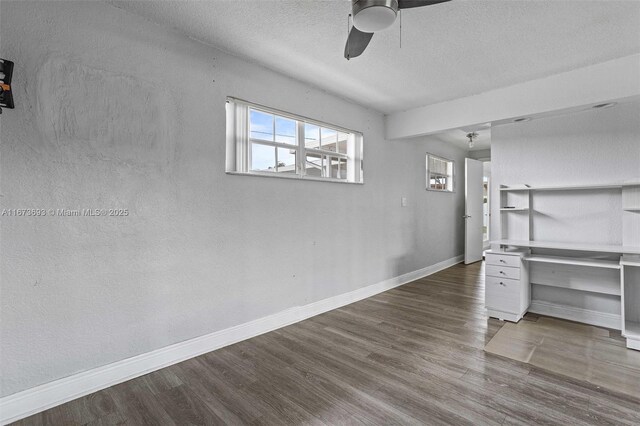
x=632, y=329
x=596, y=263
x=571, y=187
x=611, y=291
x=517, y=209
x=600, y=248
x=576, y=187
x=632, y=209
x=515, y=189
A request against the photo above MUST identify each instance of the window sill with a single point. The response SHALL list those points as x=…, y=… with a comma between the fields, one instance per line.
x=445, y=191
x=294, y=177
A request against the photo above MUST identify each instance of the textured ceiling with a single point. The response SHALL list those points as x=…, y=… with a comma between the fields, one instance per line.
x=458, y=137
x=449, y=50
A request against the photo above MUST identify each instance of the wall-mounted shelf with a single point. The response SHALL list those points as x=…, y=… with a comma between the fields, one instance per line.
x=631, y=209
x=595, y=263
x=599, y=248
x=569, y=187
x=516, y=209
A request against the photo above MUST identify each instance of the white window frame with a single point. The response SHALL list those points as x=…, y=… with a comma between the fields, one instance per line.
x=428, y=173
x=238, y=156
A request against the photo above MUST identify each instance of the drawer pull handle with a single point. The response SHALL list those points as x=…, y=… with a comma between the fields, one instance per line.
x=502, y=284
x=502, y=260
x=502, y=272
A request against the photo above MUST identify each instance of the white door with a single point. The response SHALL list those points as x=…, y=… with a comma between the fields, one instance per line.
x=473, y=212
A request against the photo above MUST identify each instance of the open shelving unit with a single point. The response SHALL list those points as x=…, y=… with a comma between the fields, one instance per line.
x=561, y=260
x=609, y=269
x=630, y=263
x=630, y=279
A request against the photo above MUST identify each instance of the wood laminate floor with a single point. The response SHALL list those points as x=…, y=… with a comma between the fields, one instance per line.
x=585, y=352
x=412, y=355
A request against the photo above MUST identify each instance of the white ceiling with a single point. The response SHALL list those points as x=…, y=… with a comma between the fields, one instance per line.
x=458, y=137
x=449, y=50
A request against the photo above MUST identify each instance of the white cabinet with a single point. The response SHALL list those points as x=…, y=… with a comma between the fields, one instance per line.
x=507, y=290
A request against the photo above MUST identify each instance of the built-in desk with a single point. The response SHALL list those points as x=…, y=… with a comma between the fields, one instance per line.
x=602, y=277
x=620, y=276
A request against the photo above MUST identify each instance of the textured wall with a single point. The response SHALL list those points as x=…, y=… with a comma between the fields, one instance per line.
x=116, y=112
x=590, y=147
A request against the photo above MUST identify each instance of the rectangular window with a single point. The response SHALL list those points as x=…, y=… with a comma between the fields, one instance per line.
x=439, y=174
x=267, y=142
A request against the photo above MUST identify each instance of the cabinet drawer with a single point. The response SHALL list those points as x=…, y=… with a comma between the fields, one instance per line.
x=502, y=260
x=502, y=272
x=503, y=294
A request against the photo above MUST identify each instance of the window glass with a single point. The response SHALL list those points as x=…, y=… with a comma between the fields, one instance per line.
x=342, y=174
x=286, y=160
x=313, y=165
x=261, y=125
x=343, y=139
x=311, y=136
x=263, y=158
x=329, y=139
x=286, y=131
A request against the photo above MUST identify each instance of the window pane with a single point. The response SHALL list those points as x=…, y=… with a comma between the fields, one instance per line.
x=440, y=173
x=261, y=125
x=439, y=182
x=343, y=169
x=334, y=165
x=343, y=138
x=338, y=168
x=311, y=136
x=286, y=160
x=313, y=165
x=329, y=139
x=286, y=130
x=263, y=158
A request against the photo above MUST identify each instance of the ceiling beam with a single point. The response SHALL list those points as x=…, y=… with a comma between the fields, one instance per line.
x=613, y=80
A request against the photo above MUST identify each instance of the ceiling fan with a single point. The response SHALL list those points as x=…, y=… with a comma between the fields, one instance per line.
x=370, y=16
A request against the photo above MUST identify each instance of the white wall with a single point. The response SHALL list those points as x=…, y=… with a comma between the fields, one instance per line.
x=595, y=146
x=115, y=112
x=483, y=154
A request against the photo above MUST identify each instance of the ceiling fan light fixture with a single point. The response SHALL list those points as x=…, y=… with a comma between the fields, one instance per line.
x=370, y=16
x=472, y=136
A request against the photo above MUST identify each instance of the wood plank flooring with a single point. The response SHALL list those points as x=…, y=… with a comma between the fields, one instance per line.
x=412, y=355
x=581, y=351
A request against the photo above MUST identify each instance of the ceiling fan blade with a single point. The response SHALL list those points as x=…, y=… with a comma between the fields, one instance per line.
x=356, y=43
x=408, y=4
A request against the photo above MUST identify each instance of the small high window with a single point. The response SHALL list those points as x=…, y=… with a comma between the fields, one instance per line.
x=439, y=174
x=267, y=142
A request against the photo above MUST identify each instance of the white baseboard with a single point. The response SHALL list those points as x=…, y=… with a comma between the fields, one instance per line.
x=30, y=401
x=600, y=319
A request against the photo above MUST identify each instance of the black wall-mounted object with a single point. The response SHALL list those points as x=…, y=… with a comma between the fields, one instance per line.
x=6, y=73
